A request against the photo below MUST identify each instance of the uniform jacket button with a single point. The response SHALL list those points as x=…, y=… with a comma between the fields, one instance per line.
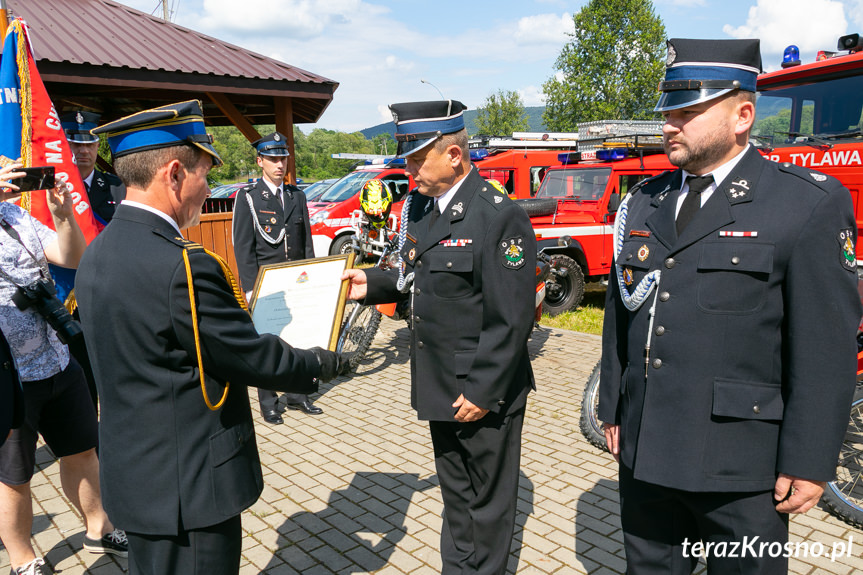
x=664, y=296
x=420, y=345
x=7, y=365
x=657, y=363
x=629, y=256
x=669, y=263
x=501, y=403
x=449, y=264
x=659, y=330
x=417, y=318
x=735, y=260
x=419, y=263
x=416, y=291
x=756, y=409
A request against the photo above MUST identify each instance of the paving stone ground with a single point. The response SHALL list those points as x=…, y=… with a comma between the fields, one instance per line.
x=354, y=490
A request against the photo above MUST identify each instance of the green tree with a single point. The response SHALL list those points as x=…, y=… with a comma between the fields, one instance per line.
x=502, y=114
x=610, y=68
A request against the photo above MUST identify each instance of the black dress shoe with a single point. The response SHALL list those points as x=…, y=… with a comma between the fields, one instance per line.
x=306, y=407
x=272, y=416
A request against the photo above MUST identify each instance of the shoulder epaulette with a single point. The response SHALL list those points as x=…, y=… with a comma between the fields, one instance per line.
x=813, y=177
x=492, y=195
x=179, y=240
x=646, y=181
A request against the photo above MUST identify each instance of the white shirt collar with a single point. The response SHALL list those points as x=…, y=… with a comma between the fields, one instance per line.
x=270, y=185
x=720, y=173
x=443, y=201
x=153, y=210
x=89, y=179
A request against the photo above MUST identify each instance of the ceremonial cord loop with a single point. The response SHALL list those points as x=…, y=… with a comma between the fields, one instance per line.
x=221, y=402
x=648, y=283
x=404, y=283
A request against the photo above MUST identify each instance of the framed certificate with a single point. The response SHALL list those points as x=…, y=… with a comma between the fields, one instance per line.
x=303, y=301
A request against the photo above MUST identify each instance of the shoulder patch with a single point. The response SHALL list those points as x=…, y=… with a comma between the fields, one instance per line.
x=512, y=253
x=848, y=255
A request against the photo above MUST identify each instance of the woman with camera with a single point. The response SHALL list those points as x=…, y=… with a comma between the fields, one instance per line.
x=57, y=402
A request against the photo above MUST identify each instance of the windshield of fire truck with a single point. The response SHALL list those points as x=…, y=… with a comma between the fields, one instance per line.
x=823, y=109
x=347, y=186
x=586, y=184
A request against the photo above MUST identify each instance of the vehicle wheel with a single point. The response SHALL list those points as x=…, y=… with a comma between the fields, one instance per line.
x=538, y=207
x=344, y=245
x=357, y=331
x=844, y=496
x=589, y=422
x=563, y=292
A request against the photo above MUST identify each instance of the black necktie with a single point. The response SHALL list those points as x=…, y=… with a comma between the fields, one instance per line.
x=692, y=201
x=434, y=216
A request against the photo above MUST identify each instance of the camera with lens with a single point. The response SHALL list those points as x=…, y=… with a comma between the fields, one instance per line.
x=41, y=295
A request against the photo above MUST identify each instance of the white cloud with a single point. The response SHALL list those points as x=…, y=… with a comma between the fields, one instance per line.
x=544, y=29
x=384, y=111
x=532, y=96
x=809, y=24
x=295, y=19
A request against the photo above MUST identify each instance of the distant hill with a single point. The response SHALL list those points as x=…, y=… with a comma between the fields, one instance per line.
x=534, y=118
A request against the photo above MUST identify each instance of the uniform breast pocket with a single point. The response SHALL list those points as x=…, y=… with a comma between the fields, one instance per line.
x=298, y=221
x=733, y=276
x=451, y=273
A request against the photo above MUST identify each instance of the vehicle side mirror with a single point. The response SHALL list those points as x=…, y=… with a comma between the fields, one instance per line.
x=613, y=203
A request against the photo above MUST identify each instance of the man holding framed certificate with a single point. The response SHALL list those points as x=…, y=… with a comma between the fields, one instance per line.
x=178, y=453
x=468, y=266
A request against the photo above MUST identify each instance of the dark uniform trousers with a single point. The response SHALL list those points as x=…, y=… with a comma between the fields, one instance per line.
x=751, y=366
x=472, y=312
x=175, y=474
x=256, y=232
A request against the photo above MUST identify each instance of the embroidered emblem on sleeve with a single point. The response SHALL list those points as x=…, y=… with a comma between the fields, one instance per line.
x=849, y=255
x=512, y=253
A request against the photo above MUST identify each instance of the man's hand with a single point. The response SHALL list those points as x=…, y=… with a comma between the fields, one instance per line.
x=612, y=439
x=467, y=411
x=332, y=364
x=796, y=495
x=359, y=286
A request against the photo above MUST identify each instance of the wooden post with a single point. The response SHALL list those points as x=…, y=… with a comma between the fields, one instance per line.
x=285, y=125
x=4, y=20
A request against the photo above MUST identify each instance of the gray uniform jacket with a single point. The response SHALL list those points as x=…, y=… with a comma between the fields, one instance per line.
x=473, y=300
x=752, y=360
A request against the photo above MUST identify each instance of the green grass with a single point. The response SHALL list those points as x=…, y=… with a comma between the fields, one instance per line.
x=587, y=318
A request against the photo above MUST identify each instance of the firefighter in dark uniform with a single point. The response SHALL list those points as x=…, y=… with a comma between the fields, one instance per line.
x=468, y=267
x=178, y=456
x=104, y=190
x=271, y=226
x=729, y=348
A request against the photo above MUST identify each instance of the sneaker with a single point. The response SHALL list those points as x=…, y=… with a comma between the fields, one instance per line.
x=114, y=543
x=35, y=567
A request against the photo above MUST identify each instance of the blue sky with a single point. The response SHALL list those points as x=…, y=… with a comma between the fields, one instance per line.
x=380, y=50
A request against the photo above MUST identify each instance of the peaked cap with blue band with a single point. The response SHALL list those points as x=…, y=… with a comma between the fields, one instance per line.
x=274, y=144
x=697, y=71
x=418, y=124
x=162, y=127
x=78, y=124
